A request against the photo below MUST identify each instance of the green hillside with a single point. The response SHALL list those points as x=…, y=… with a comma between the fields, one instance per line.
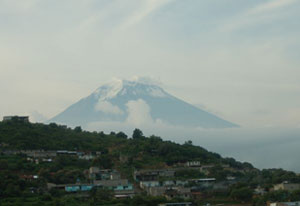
x=124, y=154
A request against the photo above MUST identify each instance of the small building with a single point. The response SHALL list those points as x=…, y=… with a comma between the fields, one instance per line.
x=284, y=204
x=156, y=191
x=206, y=169
x=95, y=173
x=111, y=183
x=24, y=119
x=66, y=152
x=39, y=153
x=177, y=204
x=193, y=164
x=86, y=157
x=287, y=186
x=178, y=192
x=146, y=184
x=152, y=175
x=259, y=191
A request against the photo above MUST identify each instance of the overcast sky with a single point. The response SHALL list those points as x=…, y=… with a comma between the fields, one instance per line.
x=237, y=59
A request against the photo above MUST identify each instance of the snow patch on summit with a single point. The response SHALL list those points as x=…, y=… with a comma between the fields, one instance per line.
x=109, y=90
x=123, y=87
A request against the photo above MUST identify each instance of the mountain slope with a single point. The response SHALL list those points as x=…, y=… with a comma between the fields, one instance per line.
x=123, y=100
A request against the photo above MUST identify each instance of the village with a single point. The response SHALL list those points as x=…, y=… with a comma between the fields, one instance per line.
x=81, y=172
x=152, y=182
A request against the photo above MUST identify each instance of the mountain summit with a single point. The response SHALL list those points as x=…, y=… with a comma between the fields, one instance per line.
x=137, y=102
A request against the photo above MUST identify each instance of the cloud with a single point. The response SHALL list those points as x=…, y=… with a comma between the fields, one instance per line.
x=261, y=14
x=138, y=113
x=148, y=7
x=271, y=5
x=108, y=108
x=36, y=116
x=147, y=80
x=17, y=6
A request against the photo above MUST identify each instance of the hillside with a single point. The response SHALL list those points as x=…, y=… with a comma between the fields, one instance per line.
x=32, y=156
x=27, y=136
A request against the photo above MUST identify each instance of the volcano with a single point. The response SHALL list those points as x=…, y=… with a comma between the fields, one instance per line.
x=138, y=102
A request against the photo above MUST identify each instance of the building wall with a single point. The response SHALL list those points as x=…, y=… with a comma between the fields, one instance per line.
x=287, y=186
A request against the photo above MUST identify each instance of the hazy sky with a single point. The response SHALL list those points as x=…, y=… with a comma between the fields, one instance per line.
x=238, y=59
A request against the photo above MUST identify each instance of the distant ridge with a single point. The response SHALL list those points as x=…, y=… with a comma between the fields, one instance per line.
x=114, y=101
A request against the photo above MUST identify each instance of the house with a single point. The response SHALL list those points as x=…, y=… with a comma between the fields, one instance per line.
x=204, y=183
x=97, y=174
x=111, y=183
x=193, y=164
x=287, y=186
x=146, y=184
x=38, y=153
x=259, y=191
x=86, y=157
x=29, y=177
x=230, y=178
x=93, y=173
x=24, y=119
x=206, y=168
x=169, y=183
x=4, y=144
x=178, y=192
x=119, y=189
x=181, y=182
x=174, y=183
x=47, y=160
x=156, y=191
x=66, y=152
x=124, y=191
x=284, y=204
x=152, y=175
x=71, y=187
x=203, y=180
x=177, y=204
x=197, y=195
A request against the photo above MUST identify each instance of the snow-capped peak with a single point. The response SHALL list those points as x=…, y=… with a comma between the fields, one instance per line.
x=119, y=86
x=109, y=90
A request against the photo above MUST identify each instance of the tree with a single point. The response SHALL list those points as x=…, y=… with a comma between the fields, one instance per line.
x=121, y=135
x=78, y=129
x=137, y=134
x=104, y=161
x=295, y=195
x=242, y=194
x=99, y=195
x=188, y=143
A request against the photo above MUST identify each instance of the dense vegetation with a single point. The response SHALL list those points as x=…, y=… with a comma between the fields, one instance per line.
x=139, y=152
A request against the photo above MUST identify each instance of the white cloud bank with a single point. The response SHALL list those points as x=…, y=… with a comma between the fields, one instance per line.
x=262, y=147
x=138, y=113
x=108, y=108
